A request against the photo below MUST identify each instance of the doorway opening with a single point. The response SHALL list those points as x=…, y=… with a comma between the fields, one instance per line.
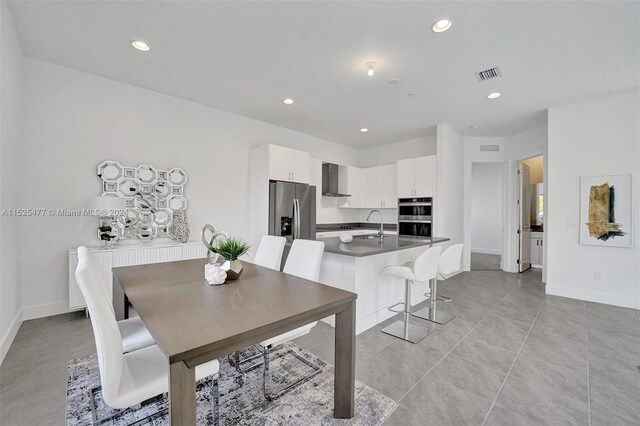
x=530, y=199
x=487, y=208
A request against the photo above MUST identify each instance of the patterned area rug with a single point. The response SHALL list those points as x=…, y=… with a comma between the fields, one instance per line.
x=241, y=397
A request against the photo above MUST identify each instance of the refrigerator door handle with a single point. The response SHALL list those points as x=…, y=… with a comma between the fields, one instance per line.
x=297, y=218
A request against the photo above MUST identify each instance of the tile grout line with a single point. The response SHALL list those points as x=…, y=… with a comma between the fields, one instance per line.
x=588, y=368
x=514, y=363
x=447, y=354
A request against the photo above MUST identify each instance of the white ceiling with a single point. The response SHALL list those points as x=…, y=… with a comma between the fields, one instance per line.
x=245, y=57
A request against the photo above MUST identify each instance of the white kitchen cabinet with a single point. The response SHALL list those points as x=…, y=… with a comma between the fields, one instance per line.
x=425, y=176
x=417, y=177
x=373, y=187
x=536, y=249
x=380, y=187
x=406, y=178
x=352, y=183
x=288, y=164
x=390, y=186
x=315, y=178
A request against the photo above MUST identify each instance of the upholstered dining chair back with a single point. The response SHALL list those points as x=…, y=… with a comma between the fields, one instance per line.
x=105, y=329
x=269, y=253
x=304, y=259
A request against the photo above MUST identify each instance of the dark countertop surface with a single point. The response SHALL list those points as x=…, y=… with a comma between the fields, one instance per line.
x=360, y=247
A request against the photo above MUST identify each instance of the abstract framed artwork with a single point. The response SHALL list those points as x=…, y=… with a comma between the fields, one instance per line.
x=605, y=210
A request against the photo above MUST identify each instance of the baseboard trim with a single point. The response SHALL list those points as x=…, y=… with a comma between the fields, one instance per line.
x=485, y=251
x=7, y=339
x=45, y=310
x=592, y=296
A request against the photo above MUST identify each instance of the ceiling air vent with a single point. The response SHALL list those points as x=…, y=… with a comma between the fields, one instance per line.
x=489, y=74
x=489, y=147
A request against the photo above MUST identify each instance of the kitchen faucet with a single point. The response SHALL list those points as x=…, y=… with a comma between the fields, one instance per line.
x=381, y=231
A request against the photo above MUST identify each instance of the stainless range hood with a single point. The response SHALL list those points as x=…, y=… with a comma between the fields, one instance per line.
x=331, y=181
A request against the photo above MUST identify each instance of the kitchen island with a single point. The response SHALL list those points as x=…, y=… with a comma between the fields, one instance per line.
x=357, y=266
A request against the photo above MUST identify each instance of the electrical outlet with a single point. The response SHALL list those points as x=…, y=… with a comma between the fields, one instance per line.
x=597, y=276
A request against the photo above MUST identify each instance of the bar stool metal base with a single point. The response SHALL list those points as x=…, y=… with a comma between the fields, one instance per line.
x=407, y=330
x=431, y=313
x=437, y=316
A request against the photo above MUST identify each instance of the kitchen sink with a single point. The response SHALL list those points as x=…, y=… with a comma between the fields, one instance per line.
x=367, y=237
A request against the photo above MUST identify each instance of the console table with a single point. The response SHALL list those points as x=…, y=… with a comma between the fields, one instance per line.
x=128, y=255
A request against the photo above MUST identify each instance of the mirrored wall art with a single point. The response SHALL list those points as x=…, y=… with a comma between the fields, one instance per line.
x=152, y=197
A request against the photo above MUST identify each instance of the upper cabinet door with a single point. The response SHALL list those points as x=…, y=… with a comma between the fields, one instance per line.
x=390, y=188
x=352, y=183
x=406, y=178
x=425, y=176
x=288, y=164
x=299, y=165
x=373, y=187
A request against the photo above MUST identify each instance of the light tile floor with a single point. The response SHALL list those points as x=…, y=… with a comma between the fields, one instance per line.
x=512, y=356
x=485, y=262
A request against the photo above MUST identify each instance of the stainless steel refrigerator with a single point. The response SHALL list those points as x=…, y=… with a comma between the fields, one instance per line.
x=292, y=210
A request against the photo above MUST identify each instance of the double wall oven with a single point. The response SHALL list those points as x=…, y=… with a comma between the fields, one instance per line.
x=415, y=216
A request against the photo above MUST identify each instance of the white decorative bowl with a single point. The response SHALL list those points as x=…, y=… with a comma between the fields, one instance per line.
x=346, y=238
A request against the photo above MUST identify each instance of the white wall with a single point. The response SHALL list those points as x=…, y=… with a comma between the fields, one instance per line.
x=486, y=208
x=449, y=184
x=76, y=120
x=388, y=154
x=10, y=107
x=10, y=104
x=597, y=137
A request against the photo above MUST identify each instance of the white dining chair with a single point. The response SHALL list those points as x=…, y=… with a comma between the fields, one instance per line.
x=303, y=261
x=128, y=379
x=133, y=331
x=450, y=261
x=269, y=253
x=423, y=269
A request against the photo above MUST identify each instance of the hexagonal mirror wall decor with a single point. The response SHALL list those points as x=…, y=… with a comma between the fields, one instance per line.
x=153, y=197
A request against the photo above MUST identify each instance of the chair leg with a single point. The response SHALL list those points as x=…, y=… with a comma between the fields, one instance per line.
x=237, y=363
x=215, y=400
x=407, y=329
x=267, y=374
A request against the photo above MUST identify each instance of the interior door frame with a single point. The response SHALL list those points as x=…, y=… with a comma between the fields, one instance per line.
x=524, y=201
x=545, y=183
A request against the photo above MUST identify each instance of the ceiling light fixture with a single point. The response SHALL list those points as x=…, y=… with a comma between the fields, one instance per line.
x=494, y=95
x=474, y=126
x=140, y=45
x=287, y=101
x=370, y=68
x=413, y=94
x=441, y=26
x=364, y=130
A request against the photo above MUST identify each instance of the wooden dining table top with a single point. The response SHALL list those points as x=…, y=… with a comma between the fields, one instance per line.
x=189, y=318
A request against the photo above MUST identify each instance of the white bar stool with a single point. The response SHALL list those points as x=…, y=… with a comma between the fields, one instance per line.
x=448, y=263
x=423, y=269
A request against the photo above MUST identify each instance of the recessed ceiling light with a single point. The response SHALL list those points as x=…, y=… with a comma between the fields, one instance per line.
x=370, y=68
x=474, y=126
x=412, y=94
x=494, y=95
x=441, y=26
x=287, y=101
x=394, y=80
x=364, y=130
x=140, y=45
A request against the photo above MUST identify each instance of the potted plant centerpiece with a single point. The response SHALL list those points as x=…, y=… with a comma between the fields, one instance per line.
x=231, y=249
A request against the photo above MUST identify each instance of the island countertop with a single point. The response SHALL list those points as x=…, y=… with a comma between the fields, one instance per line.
x=361, y=247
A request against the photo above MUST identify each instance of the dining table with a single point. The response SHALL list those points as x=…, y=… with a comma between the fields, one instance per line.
x=193, y=322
